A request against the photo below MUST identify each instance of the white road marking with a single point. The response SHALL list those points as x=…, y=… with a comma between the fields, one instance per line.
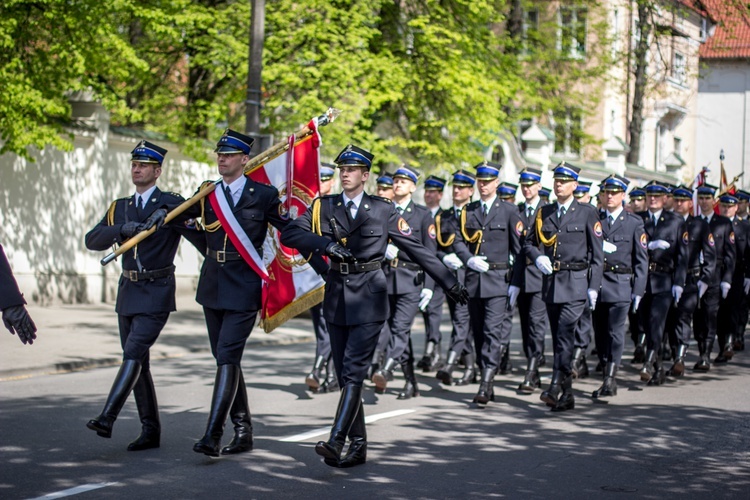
x=325, y=430
x=74, y=491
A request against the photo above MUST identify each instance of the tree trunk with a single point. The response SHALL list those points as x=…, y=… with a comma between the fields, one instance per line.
x=645, y=12
x=255, y=67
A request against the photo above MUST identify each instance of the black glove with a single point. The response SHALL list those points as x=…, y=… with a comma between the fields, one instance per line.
x=155, y=219
x=459, y=294
x=18, y=321
x=337, y=251
x=130, y=229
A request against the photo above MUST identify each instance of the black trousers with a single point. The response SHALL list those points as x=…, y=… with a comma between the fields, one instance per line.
x=609, y=330
x=433, y=316
x=563, y=319
x=730, y=316
x=460, y=340
x=655, y=309
x=404, y=309
x=705, y=317
x=533, y=314
x=227, y=332
x=352, y=347
x=322, y=337
x=680, y=323
x=487, y=316
x=138, y=333
x=584, y=329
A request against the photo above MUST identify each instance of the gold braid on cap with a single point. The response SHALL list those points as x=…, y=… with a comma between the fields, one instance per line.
x=477, y=238
x=547, y=242
x=111, y=213
x=439, y=236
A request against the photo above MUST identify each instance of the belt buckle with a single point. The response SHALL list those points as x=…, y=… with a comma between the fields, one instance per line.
x=133, y=276
x=394, y=263
x=221, y=256
x=556, y=265
x=652, y=266
x=344, y=268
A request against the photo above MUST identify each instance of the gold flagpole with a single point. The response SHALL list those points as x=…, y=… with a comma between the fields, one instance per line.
x=261, y=159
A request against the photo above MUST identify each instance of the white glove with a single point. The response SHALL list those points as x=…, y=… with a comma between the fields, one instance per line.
x=636, y=301
x=658, y=245
x=702, y=287
x=609, y=247
x=746, y=284
x=425, y=296
x=725, y=289
x=452, y=261
x=391, y=252
x=513, y=292
x=544, y=265
x=511, y=260
x=593, y=295
x=676, y=293
x=479, y=264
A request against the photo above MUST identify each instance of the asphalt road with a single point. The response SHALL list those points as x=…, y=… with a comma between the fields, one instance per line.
x=690, y=437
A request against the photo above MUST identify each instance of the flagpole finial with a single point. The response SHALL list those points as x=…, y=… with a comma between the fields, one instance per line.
x=721, y=155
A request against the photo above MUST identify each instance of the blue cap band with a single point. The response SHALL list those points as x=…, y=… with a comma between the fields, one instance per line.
x=563, y=171
x=407, y=173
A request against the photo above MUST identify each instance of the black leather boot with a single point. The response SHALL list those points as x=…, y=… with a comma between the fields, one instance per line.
x=148, y=411
x=566, y=401
x=429, y=352
x=383, y=376
x=678, y=367
x=470, y=373
x=647, y=371
x=727, y=352
x=739, y=342
x=659, y=376
x=349, y=403
x=575, y=365
x=639, y=354
x=225, y=388
x=445, y=374
x=357, y=452
x=531, y=381
x=239, y=414
x=703, y=364
x=553, y=392
x=125, y=380
x=486, y=391
x=609, y=386
x=411, y=389
x=505, y=364
x=315, y=377
x=437, y=359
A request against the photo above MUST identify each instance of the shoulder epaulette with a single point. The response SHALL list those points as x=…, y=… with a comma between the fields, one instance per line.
x=376, y=197
x=205, y=183
x=473, y=204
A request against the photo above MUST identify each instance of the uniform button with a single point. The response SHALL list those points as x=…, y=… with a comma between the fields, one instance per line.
x=484, y=241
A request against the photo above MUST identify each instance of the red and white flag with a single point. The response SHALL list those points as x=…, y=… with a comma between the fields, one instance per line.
x=293, y=286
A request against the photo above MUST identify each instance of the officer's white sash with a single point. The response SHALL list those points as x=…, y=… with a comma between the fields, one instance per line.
x=237, y=235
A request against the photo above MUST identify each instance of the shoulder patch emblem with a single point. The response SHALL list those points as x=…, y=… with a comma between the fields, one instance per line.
x=598, y=229
x=685, y=238
x=644, y=240
x=519, y=228
x=731, y=237
x=403, y=227
x=711, y=239
x=431, y=231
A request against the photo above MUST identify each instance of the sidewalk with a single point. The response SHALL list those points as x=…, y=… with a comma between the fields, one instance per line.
x=78, y=337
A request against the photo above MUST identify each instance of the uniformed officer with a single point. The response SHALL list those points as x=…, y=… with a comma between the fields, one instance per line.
x=146, y=291
x=582, y=192
x=353, y=229
x=408, y=287
x=229, y=288
x=566, y=246
x=531, y=307
x=316, y=381
x=385, y=185
x=637, y=200
x=730, y=320
x=666, y=278
x=743, y=197
x=669, y=197
x=584, y=329
x=506, y=191
x=490, y=238
x=635, y=324
x=432, y=313
x=706, y=315
x=623, y=280
x=742, y=214
x=447, y=230
x=15, y=316
x=701, y=261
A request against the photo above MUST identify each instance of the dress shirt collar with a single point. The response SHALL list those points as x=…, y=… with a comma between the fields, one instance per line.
x=146, y=195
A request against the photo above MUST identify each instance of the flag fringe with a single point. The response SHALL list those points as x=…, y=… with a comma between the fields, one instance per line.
x=300, y=304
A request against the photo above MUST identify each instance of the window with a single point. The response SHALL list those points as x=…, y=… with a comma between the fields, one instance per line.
x=569, y=133
x=704, y=29
x=615, y=32
x=530, y=29
x=498, y=155
x=679, y=68
x=571, y=39
x=677, y=146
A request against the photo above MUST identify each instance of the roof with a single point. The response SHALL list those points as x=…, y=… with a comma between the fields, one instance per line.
x=731, y=40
